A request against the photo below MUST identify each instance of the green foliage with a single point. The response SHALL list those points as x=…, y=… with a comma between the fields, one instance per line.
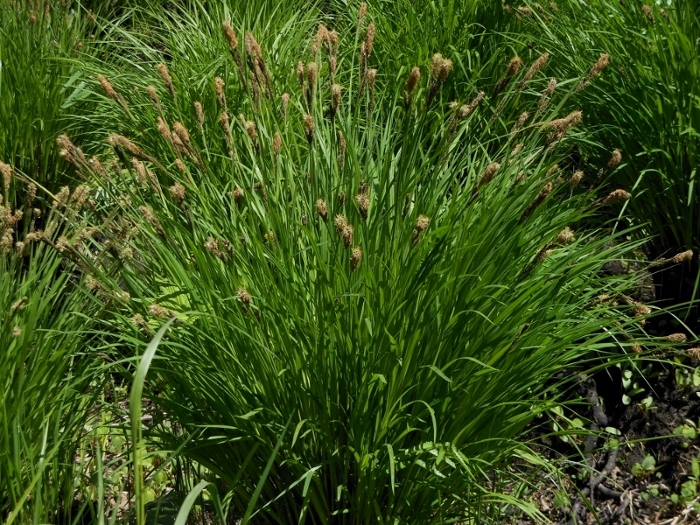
x=365, y=270
x=44, y=401
x=37, y=41
x=647, y=104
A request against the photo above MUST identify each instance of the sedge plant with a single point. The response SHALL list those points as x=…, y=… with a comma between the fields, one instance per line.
x=370, y=288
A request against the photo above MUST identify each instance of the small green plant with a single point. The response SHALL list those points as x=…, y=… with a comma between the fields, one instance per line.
x=644, y=469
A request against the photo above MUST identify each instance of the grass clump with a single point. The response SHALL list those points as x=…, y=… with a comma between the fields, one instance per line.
x=44, y=399
x=371, y=289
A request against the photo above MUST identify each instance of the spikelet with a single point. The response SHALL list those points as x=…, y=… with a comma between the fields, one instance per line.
x=322, y=39
x=648, y=12
x=355, y=257
x=440, y=68
x=342, y=146
x=250, y=130
x=536, y=66
x=541, y=196
x=262, y=75
x=6, y=171
x=362, y=14
x=513, y=67
x=487, y=175
x=546, y=95
x=465, y=110
x=615, y=159
x=322, y=209
x=616, y=196
x=199, y=112
x=233, y=45
x=309, y=129
x=335, y=99
x=520, y=122
x=31, y=192
x=120, y=141
x=180, y=166
x=177, y=192
x=422, y=223
x=576, y=178
x=220, y=93
x=682, y=257
x=285, y=105
x=362, y=200
x=167, y=79
x=277, y=143
x=70, y=152
x=676, y=338
x=153, y=95
x=565, y=236
x=411, y=85
x=347, y=235
x=230, y=35
x=107, y=87
x=693, y=353
x=164, y=130
x=340, y=222
x=596, y=70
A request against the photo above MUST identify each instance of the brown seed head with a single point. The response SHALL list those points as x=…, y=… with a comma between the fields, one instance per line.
x=312, y=74
x=322, y=209
x=466, y=109
x=682, y=257
x=277, y=143
x=615, y=159
x=120, y=141
x=6, y=171
x=300, y=72
x=211, y=245
x=309, y=129
x=237, y=194
x=536, y=66
x=177, y=192
x=599, y=66
x=576, y=178
x=16, y=331
x=230, y=35
x=514, y=66
x=199, y=111
x=164, y=130
x=285, y=105
x=422, y=223
x=412, y=80
x=676, y=338
x=616, y=196
x=157, y=310
x=648, y=12
x=693, y=353
x=107, y=87
x=355, y=257
x=340, y=222
x=167, y=79
x=362, y=200
x=520, y=122
x=335, y=97
x=180, y=166
x=369, y=40
x=220, y=94
x=153, y=95
x=347, y=234
x=243, y=296
x=565, y=236
x=488, y=174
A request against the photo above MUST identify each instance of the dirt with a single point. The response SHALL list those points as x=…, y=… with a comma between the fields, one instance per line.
x=641, y=476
